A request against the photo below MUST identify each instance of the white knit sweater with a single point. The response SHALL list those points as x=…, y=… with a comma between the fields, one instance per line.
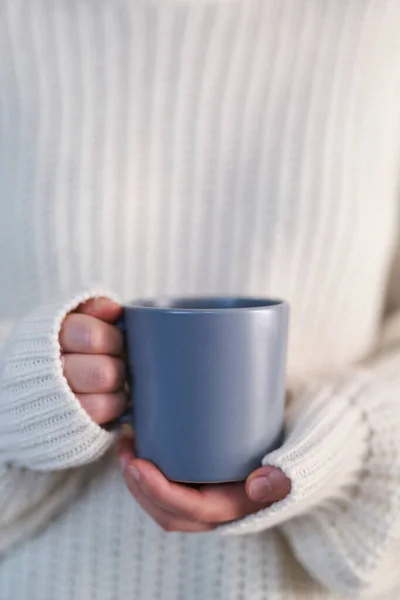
x=204, y=146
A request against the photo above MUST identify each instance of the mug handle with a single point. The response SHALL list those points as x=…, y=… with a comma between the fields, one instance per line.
x=127, y=416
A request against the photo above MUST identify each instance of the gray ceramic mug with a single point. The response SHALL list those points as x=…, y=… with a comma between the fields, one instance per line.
x=207, y=384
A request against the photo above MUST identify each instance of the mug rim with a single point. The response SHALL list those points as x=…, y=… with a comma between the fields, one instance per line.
x=171, y=304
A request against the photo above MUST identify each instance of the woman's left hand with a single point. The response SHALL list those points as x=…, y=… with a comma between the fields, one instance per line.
x=178, y=507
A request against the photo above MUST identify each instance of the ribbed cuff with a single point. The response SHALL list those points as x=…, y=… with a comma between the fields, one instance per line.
x=42, y=424
x=326, y=444
x=352, y=546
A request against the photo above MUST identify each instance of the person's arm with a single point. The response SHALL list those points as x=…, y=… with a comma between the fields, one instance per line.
x=342, y=454
x=46, y=436
x=333, y=486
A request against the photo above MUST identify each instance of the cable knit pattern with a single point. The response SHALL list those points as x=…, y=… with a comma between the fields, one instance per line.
x=202, y=147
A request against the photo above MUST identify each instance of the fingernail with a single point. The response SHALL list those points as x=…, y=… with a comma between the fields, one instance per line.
x=134, y=473
x=260, y=488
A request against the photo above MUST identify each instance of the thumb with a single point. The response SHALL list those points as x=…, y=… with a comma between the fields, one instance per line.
x=101, y=308
x=268, y=484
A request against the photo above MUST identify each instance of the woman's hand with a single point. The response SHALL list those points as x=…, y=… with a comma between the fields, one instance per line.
x=92, y=358
x=93, y=366
x=180, y=508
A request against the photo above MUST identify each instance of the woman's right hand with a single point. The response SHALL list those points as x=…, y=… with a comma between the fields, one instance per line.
x=92, y=358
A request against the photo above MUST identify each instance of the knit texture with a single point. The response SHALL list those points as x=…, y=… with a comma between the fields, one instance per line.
x=39, y=411
x=202, y=147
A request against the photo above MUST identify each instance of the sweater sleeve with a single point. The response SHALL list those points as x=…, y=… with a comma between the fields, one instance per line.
x=46, y=437
x=342, y=454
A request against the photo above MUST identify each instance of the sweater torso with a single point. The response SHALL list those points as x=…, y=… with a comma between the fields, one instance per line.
x=192, y=148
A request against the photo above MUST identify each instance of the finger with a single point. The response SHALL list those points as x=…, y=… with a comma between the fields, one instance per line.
x=229, y=502
x=103, y=408
x=85, y=334
x=101, y=308
x=209, y=504
x=125, y=449
x=175, y=498
x=165, y=519
x=92, y=374
x=268, y=484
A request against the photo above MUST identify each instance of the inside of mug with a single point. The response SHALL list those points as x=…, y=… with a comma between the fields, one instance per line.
x=217, y=303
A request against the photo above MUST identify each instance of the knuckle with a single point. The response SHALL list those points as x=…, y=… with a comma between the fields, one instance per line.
x=96, y=337
x=95, y=375
x=106, y=373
